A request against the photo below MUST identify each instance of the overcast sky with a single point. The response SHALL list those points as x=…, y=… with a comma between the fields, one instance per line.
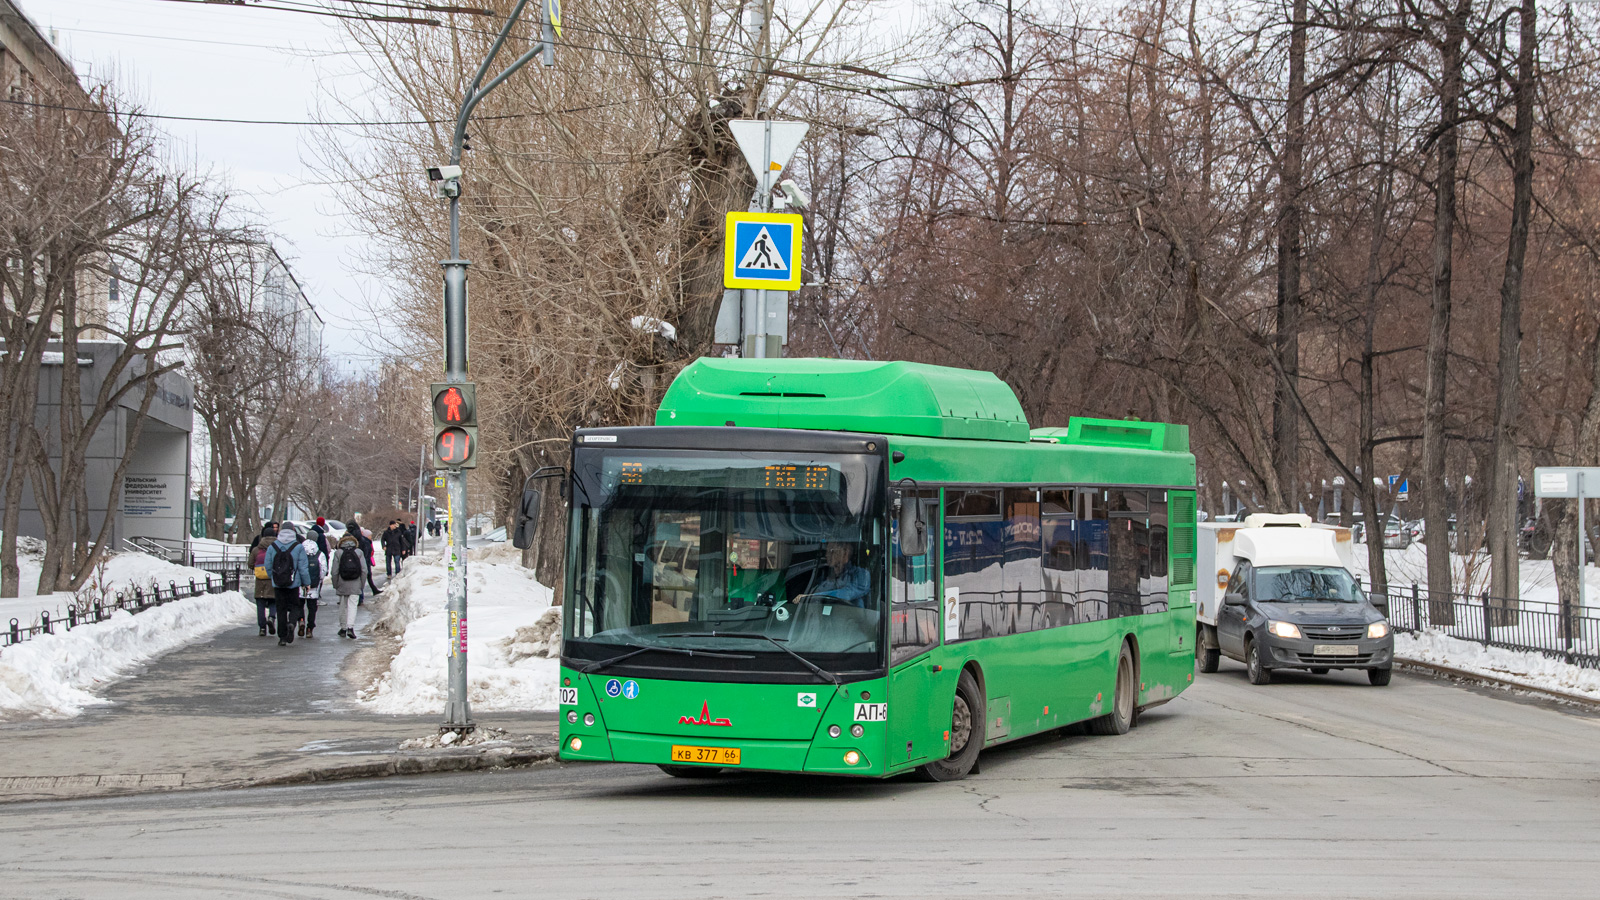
x=186, y=59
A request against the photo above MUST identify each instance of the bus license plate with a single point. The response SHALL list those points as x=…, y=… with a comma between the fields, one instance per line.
x=719, y=756
x=1336, y=650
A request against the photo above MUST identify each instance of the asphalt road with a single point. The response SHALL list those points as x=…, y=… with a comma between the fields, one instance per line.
x=1309, y=788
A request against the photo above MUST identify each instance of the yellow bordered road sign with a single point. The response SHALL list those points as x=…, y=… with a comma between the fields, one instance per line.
x=762, y=250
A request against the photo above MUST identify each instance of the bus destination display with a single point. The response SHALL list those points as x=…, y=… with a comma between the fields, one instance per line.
x=805, y=478
x=716, y=472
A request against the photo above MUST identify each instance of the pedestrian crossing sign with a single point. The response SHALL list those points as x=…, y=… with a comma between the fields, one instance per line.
x=762, y=250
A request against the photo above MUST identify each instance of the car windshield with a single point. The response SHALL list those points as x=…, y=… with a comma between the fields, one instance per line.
x=692, y=550
x=1306, y=584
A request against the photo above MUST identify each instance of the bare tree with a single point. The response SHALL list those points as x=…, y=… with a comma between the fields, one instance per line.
x=86, y=200
x=256, y=374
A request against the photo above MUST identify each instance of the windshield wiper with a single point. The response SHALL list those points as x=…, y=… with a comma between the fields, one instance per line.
x=593, y=667
x=749, y=636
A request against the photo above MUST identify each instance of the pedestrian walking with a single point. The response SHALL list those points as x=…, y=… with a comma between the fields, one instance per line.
x=394, y=548
x=287, y=572
x=266, y=600
x=365, y=537
x=319, y=533
x=350, y=570
x=311, y=592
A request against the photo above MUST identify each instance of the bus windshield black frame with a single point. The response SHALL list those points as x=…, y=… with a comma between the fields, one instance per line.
x=682, y=535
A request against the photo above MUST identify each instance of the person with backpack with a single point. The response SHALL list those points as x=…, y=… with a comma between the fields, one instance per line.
x=350, y=571
x=311, y=592
x=287, y=570
x=265, y=599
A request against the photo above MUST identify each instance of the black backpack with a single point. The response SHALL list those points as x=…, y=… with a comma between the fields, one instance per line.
x=350, y=563
x=283, y=567
x=314, y=566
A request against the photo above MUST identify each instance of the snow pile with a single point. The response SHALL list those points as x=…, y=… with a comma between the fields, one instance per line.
x=479, y=737
x=118, y=572
x=510, y=638
x=1530, y=669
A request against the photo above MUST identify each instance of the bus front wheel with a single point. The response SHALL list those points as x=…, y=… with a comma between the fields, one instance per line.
x=967, y=718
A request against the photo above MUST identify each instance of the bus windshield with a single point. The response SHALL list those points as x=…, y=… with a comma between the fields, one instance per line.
x=728, y=552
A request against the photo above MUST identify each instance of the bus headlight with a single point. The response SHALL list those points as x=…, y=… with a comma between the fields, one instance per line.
x=833, y=731
x=1378, y=630
x=851, y=758
x=572, y=717
x=857, y=731
x=576, y=744
x=588, y=720
x=1284, y=629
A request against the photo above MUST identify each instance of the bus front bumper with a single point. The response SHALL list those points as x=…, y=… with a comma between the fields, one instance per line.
x=842, y=756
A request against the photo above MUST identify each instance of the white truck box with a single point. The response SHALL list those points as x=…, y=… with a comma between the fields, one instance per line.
x=1264, y=540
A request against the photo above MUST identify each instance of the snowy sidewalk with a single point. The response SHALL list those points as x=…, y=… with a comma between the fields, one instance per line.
x=236, y=710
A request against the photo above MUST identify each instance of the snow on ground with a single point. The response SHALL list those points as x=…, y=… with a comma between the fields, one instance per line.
x=511, y=625
x=55, y=675
x=1471, y=574
x=1530, y=669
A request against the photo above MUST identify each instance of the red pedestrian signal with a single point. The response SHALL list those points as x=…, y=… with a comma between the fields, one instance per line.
x=453, y=404
x=455, y=426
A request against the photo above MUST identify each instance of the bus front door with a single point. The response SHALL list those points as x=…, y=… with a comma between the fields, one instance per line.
x=918, y=717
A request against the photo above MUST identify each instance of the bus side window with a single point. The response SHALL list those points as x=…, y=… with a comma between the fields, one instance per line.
x=1128, y=544
x=1094, y=557
x=1059, y=564
x=974, y=551
x=914, y=607
x=1155, y=585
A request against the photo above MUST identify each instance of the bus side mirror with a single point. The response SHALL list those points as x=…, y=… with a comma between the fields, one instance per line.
x=527, y=520
x=913, y=531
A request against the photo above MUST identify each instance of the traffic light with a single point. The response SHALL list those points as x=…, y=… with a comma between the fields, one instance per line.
x=455, y=426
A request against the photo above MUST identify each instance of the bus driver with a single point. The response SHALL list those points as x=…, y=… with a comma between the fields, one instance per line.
x=843, y=580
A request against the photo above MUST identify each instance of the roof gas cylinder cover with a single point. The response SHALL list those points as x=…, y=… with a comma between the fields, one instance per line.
x=845, y=395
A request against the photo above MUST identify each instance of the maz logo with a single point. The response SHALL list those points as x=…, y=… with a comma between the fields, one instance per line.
x=705, y=717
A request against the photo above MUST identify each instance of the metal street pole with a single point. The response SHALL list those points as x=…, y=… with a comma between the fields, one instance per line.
x=458, y=712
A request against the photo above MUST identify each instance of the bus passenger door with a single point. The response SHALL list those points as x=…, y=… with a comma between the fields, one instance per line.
x=917, y=718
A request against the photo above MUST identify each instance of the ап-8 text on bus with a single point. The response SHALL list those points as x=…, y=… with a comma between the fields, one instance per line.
x=759, y=580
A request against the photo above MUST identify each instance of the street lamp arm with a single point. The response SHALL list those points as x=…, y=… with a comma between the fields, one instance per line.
x=473, y=94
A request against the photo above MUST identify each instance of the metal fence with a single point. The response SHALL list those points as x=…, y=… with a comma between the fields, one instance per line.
x=135, y=600
x=1564, y=632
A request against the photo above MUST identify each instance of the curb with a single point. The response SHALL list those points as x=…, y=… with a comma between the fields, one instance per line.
x=413, y=764
x=1464, y=675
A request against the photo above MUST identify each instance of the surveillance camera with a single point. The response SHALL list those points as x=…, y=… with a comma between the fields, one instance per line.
x=797, y=198
x=443, y=173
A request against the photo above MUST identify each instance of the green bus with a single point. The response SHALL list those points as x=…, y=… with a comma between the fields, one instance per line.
x=757, y=581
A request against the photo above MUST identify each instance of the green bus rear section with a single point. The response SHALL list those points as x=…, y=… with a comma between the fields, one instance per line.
x=954, y=427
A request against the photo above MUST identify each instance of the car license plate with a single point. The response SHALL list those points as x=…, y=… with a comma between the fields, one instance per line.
x=1336, y=650
x=717, y=756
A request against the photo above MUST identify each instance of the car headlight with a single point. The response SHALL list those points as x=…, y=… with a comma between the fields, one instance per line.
x=1284, y=629
x=1378, y=630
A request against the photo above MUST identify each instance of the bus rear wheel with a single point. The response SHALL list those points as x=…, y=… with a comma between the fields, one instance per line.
x=1120, y=719
x=690, y=771
x=967, y=718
